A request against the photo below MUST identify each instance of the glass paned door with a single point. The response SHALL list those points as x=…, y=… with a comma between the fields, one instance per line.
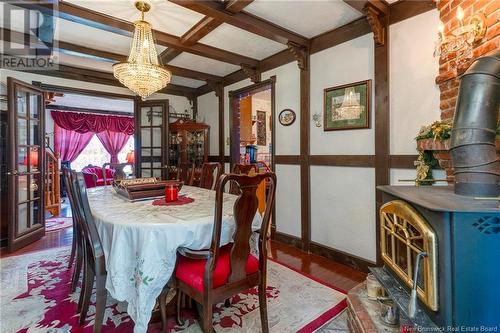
x=25, y=163
x=151, y=119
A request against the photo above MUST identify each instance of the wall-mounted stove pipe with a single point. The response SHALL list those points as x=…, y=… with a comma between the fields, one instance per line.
x=475, y=161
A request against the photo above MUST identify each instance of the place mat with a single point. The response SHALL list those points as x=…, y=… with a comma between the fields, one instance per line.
x=182, y=200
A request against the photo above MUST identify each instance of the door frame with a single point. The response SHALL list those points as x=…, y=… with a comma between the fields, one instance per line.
x=164, y=136
x=254, y=88
x=15, y=241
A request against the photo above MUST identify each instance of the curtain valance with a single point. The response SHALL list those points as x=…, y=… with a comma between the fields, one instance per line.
x=87, y=122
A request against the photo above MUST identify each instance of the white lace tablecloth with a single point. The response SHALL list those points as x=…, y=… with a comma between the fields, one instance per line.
x=140, y=242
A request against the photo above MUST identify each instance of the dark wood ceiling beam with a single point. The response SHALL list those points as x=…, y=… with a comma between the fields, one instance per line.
x=201, y=29
x=243, y=21
x=235, y=6
x=404, y=9
x=321, y=42
x=101, y=21
x=64, y=47
x=168, y=55
x=360, y=5
x=106, y=78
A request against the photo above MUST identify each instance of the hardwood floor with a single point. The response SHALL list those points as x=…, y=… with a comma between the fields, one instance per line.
x=316, y=266
x=321, y=268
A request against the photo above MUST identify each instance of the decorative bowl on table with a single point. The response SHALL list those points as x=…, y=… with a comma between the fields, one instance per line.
x=144, y=188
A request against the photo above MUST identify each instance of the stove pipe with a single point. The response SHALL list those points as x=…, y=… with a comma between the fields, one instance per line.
x=474, y=157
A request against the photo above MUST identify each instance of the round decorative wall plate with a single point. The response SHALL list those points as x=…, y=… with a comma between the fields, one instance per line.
x=286, y=117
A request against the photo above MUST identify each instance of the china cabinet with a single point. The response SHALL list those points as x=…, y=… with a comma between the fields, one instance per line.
x=188, y=144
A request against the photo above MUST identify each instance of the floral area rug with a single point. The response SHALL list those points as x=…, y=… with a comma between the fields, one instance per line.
x=35, y=297
x=58, y=223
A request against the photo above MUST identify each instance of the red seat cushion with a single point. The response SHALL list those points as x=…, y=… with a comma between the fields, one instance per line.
x=191, y=271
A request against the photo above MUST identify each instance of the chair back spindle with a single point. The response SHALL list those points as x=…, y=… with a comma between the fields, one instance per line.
x=210, y=173
x=245, y=208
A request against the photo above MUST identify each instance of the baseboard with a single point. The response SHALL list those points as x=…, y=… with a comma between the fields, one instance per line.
x=287, y=239
x=344, y=258
x=347, y=259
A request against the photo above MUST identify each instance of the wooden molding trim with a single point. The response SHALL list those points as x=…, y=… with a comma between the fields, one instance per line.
x=287, y=239
x=215, y=158
x=81, y=91
x=217, y=87
x=243, y=21
x=287, y=159
x=352, y=30
x=347, y=259
x=202, y=28
x=367, y=161
x=404, y=9
x=97, y=20
x=305, y=146
x=382, y=125
x=300, y=53
x=252, y=73
x=378, y=28
x=363, y=161
x=360, y=5
x=403, y=161
x=86, y=110
x=64, y=47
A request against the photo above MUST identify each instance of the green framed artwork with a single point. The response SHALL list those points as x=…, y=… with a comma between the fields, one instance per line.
x=347, y=106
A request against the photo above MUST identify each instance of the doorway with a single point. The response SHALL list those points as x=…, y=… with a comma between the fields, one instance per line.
x=252, y=132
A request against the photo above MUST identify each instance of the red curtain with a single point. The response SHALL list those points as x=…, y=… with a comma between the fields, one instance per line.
x=88, y=122
x=69, y=143
x=113, y=142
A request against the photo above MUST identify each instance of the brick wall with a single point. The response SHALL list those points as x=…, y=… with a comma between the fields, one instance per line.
x=447, y=78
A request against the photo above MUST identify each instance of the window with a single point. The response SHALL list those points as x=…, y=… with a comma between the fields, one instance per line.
x=95, y=154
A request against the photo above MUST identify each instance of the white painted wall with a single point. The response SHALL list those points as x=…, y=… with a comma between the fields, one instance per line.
x=288, y=198
x=414, y=96
x=343, y=209
x=287, y=97
x=343, y=198
x=345, y=63
x=208, y=112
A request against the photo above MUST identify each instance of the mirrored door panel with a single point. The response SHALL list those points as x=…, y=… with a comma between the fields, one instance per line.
x=26, y=163
x=151, y=137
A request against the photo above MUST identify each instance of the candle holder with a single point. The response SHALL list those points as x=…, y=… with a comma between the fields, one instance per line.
x=171, y=193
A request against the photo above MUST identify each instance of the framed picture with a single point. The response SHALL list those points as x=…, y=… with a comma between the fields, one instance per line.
x=286, y=117
x=347, y=106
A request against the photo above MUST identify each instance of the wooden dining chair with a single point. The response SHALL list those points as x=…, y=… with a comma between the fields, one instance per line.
x=242, y=169
x=185, y=173
x=210, y=174
x=94, y=266
x=215, y=275
x=77, y=245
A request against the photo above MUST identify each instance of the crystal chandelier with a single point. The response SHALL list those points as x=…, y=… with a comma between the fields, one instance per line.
x=142, y=72
x=460, y=42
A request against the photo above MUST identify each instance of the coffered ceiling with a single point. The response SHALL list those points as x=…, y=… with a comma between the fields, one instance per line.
x=198, y=40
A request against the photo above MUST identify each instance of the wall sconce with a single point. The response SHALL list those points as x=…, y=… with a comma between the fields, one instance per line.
x=461, y=40
x=317, y=119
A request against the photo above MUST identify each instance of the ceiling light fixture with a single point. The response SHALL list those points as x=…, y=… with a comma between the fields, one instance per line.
x=142, y=72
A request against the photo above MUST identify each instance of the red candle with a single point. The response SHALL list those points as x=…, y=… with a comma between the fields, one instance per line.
x=171, y=193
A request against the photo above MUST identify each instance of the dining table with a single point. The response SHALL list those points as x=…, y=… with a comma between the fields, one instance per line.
x=140, y=241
